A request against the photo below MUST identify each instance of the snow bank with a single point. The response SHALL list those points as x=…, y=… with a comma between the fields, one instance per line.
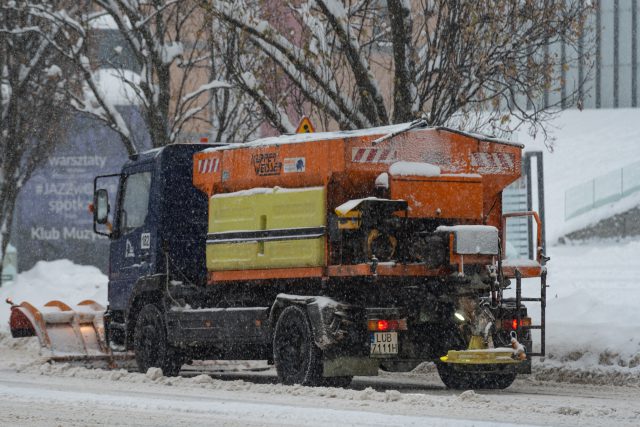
x=49, y=280
x=592, y=306
x=587, y=144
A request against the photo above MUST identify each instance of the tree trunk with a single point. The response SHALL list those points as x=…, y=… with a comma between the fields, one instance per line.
x=401, y=31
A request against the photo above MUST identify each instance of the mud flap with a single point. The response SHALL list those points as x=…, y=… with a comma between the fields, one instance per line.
x=328, y=317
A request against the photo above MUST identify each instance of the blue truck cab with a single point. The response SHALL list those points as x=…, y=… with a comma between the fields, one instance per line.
x=158, y=225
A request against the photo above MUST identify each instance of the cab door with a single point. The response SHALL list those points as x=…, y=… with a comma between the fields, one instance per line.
x=130, y=254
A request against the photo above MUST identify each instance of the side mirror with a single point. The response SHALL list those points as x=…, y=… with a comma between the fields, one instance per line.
x=101, y=206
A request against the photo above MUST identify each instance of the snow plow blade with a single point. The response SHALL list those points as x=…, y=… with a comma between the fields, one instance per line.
x=64, y=332
x=498, y=356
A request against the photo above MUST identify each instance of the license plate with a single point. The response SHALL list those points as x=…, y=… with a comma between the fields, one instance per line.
x=384, y=343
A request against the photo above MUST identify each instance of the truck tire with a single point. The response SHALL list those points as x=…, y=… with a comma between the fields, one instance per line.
x=150, y=343
x=297, y=358
x=460, y=380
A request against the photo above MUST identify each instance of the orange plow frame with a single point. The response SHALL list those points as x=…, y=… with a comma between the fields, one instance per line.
x=64, y=332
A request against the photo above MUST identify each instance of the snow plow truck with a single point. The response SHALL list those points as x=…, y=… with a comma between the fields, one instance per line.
x=328, y=254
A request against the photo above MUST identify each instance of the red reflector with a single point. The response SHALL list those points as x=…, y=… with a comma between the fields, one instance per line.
x=387, y=325
x=513, y=323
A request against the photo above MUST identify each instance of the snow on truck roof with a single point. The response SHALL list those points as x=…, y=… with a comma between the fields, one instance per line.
x=377, y=131
x=154, y=152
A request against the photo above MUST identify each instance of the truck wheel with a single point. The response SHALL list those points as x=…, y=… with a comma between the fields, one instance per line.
x=150, y=343
x=298, y=360
x=460, y=380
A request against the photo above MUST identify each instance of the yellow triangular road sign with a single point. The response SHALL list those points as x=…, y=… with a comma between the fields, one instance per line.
x=305, y=126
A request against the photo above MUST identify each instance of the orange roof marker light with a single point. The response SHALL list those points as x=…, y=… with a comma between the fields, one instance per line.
x=305, y=126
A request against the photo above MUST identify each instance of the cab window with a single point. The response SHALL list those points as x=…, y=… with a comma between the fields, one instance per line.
x=135, y=201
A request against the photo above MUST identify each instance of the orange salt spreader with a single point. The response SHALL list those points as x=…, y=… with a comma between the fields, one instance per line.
x=397, y=207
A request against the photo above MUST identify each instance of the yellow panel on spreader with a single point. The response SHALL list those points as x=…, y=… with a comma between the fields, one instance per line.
x=267, y=228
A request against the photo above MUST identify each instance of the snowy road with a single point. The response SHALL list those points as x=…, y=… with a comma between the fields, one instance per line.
x=38, y=394
x=43, y=401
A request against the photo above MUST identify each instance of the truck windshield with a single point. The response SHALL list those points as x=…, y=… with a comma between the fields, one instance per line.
x=135, y=201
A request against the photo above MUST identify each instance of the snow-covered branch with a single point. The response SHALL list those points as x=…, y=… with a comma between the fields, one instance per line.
x=308, y=72
x=354, y=61
x=206, y=88
x=32, y=85
x=372, y=102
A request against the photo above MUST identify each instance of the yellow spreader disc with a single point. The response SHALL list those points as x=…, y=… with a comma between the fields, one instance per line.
x=495, y=356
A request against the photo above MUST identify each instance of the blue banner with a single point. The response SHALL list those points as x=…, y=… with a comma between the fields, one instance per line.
x=52, y=219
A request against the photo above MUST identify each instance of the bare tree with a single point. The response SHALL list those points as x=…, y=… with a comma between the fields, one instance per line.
x=478, y=64
x=167, y=39
x=235, y=115
x=31, y=84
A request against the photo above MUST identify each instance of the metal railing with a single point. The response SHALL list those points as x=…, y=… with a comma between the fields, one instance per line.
x=601, y=190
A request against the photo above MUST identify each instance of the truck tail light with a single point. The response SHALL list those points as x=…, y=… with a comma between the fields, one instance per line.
x=512, y=324
x=382, y=325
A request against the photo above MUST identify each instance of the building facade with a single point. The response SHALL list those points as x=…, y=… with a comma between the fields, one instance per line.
x=612, y=72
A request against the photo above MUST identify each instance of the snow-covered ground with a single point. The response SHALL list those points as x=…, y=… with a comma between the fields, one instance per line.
x=49, y=280
x=32, y=393
x=592, y=307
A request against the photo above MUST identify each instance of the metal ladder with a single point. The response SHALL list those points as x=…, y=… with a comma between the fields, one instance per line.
x=543, y=304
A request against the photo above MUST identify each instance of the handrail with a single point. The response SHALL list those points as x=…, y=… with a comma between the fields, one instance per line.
x=603, y=189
